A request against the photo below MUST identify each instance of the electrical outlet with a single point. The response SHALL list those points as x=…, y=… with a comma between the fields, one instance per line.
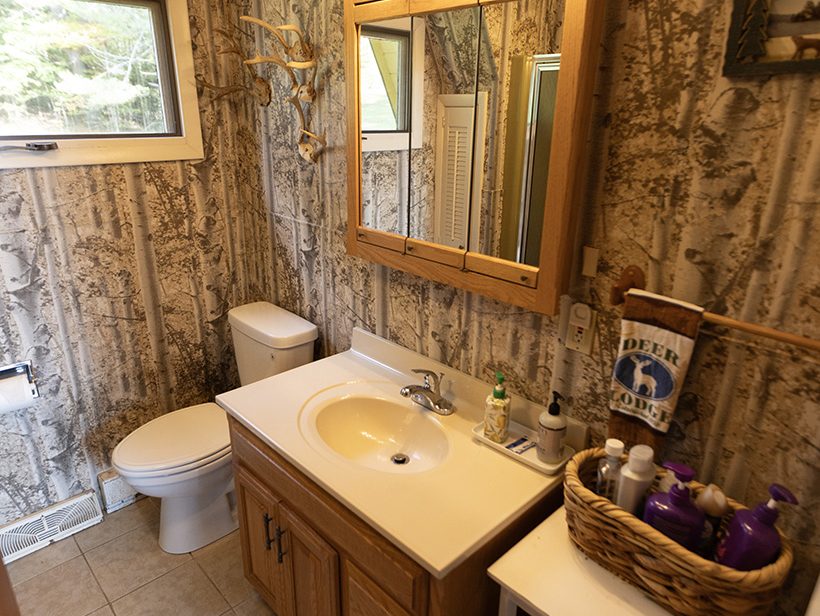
x=581, y=328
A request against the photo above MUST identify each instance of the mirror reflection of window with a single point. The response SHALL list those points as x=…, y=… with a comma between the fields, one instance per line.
x=386, y=78
x=385, y=69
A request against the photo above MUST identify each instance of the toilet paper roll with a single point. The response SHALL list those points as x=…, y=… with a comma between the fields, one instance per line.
x=15, y=393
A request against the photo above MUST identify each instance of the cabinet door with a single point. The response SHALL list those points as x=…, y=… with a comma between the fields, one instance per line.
x=258, y=522
x=363, y=597
x=311, y=568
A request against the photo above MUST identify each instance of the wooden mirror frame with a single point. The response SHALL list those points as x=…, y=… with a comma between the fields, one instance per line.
x=536, y=288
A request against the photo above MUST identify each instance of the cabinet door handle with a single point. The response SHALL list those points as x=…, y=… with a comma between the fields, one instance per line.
x=266, y=519
x=279, y=553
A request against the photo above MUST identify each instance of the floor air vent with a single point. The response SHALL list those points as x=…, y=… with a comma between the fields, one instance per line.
x=36, y=531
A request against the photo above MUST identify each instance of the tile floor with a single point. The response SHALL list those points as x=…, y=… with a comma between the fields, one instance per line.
x=117, y=568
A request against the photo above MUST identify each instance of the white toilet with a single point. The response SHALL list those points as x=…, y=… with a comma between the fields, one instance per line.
x=184, y=457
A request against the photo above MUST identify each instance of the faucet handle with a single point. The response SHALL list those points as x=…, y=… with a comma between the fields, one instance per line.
x=432, y=380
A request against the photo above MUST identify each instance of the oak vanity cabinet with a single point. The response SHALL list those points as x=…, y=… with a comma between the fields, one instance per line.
x=305, y=553
x=308, y=555
x=292, y=567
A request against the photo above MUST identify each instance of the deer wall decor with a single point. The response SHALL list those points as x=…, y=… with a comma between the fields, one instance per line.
x=299, y=62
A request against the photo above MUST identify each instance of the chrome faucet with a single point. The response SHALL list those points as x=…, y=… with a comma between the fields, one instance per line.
x=428, y=395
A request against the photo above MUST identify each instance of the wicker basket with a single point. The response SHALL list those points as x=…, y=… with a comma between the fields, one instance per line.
x=671, y=575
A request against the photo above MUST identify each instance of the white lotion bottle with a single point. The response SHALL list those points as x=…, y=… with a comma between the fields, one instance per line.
x=636, y=478
x=552, y=429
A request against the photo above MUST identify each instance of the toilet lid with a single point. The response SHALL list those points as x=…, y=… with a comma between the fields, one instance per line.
x=175, y=439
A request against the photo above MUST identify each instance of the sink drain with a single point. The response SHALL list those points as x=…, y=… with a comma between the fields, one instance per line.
x=399, y=458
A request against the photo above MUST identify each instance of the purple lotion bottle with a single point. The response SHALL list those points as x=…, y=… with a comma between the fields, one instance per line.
x=751, y=540
x=674, y=513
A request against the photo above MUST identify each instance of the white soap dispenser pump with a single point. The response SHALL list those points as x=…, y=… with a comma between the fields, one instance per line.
x=552, y=429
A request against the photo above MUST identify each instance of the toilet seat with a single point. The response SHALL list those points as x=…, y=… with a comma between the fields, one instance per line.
x=208, y=462
x=175, y=442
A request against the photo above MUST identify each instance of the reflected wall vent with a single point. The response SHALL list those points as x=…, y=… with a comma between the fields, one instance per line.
x=38, y=530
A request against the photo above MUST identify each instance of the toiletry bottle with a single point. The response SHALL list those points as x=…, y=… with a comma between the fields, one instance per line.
x=712, y=502
x=673, y=513
x=497, y=412
x=552, y=428
x=636, y=478
x=609, y=468
x=751, y=540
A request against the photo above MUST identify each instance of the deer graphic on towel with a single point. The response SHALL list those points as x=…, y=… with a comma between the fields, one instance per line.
x=641, y=378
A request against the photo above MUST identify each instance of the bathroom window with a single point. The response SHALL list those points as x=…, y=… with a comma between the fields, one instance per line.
x=106, y=81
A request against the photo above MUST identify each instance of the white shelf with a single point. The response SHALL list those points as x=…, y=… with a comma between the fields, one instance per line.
x=516, y=433
x=548, y=576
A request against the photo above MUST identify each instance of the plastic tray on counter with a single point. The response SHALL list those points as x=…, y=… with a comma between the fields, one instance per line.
x=515, y=440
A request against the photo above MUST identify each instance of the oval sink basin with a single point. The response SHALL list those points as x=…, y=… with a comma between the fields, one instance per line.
x=379, y=433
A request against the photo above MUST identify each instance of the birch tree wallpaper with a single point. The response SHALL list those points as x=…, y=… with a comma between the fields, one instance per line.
x=116, y=280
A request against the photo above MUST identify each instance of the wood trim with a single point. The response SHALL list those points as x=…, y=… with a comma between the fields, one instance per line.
x=403, y=579
x=420, y=7
x=354, y=155
x=495, y=288
x=438, y=253
x=383, y=9
x=265, y=581
x=391, y=241
x=580, y=45
x=582, y=29
x=518, y=273
x=312, y=571
x=362, y=597
x=8, y=604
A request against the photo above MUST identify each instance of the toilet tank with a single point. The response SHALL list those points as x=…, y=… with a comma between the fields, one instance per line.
x=268, y=340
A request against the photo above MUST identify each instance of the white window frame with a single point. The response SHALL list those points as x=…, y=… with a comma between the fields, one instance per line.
x=397, y=141
x=112, y=150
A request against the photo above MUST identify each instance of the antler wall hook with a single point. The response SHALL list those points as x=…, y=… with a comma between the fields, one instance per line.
x=299, y=63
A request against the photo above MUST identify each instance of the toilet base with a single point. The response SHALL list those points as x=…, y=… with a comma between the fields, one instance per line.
x=188, y=523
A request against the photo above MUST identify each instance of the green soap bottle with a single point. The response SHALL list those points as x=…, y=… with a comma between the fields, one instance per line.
x=497, y=412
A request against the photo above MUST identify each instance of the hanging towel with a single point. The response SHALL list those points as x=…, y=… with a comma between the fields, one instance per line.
x=657, y=338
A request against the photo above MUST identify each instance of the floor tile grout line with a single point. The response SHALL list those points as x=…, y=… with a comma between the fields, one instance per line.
x=110, y=600
x=130, y=530
x=213, y=582
x=163, y=574
x=112, y=538
x=15, y=584
x=94, y=575
x=219, y=592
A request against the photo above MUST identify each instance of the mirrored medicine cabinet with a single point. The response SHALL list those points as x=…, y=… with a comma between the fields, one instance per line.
x=467, y=124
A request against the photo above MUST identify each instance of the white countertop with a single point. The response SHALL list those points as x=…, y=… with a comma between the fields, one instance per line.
x=438, y=517
x=548, y=575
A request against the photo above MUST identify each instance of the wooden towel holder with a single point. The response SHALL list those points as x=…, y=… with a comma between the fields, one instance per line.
x=633, y=278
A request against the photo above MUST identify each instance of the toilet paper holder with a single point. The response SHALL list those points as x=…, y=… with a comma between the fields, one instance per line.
x=18, y=369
